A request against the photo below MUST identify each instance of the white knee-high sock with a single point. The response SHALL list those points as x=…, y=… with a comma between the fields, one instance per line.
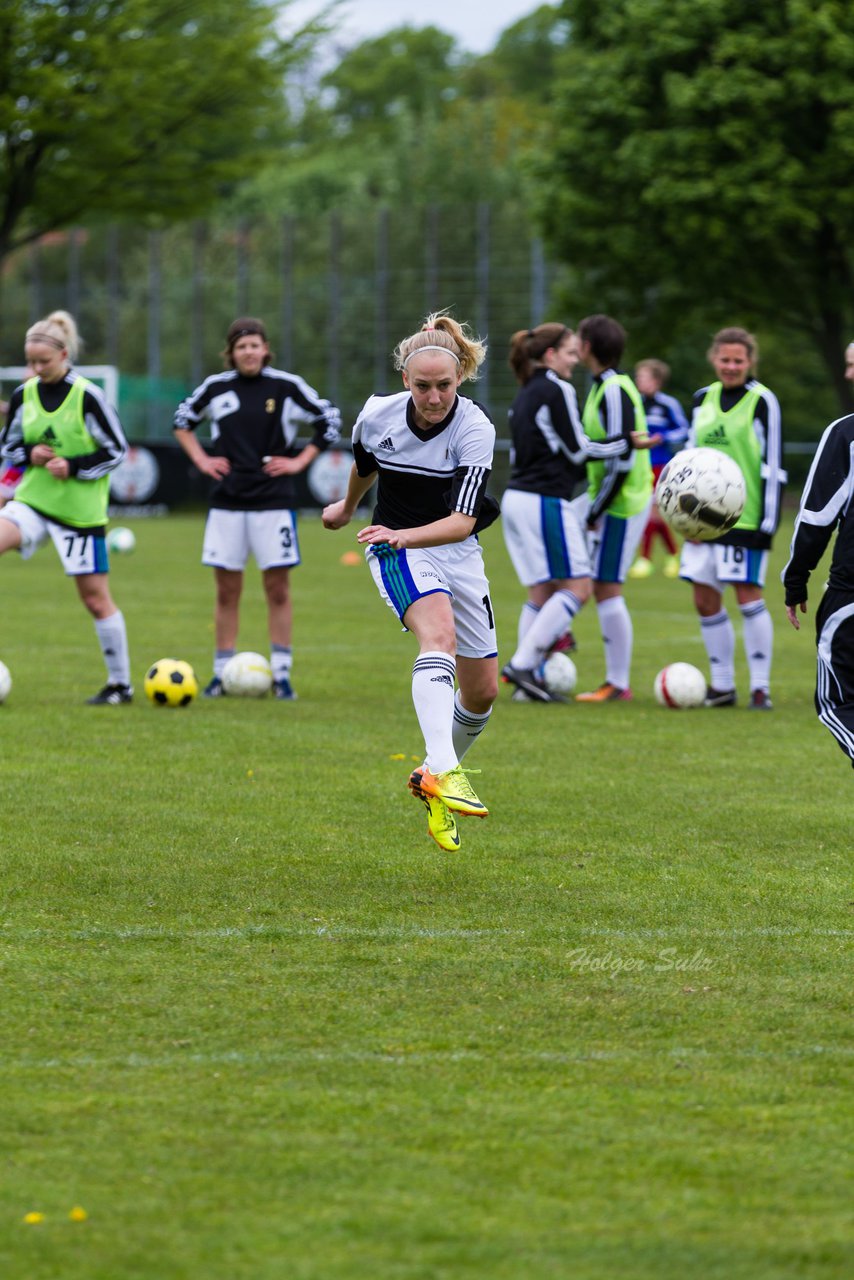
x=468, y=726
x=433, y=677
x=719, y=638
x=553, y=621
x=221, y=657
x=113, y=639
x=281, y=661
x=526, y=618
x=758, y=643
x=615, y=623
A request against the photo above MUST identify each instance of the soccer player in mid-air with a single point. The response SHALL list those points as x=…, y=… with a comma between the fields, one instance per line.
x=741, y=417
x=69, y=438
x=431, y=451
x=254, y=412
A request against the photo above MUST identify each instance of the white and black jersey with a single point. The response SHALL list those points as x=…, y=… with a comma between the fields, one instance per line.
x=827, y=502
x=253, y=418
x=550, y=447
x=99, y=416
x=423, y=475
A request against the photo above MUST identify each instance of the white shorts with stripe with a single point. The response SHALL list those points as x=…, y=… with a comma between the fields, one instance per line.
x=711, y=564
x=271, y=537
x=613, y=543
x=456, y=570
x=544, y=536
x=80, y=551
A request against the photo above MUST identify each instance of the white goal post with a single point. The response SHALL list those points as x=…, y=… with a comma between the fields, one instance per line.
x=105, y=375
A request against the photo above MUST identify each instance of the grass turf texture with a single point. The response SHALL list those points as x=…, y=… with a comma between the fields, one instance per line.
x=257, y=1025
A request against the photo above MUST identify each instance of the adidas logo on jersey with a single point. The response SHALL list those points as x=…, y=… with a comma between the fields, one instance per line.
x=719, y=433
x=387, y=444
x=48, y=435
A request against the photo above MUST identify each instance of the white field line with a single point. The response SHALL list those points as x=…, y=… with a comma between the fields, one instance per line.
x=166, y=933
x=297, y=1057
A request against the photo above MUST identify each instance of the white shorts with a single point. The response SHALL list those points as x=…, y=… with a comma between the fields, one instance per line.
x=711, y=564
x=80, y=551
x=614, y=543
x=544, y=536
x=456, y=570
x=271, y=536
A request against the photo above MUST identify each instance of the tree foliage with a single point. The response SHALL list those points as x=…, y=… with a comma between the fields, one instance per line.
x=702, y=153
x=409, y=117
x=129, y=107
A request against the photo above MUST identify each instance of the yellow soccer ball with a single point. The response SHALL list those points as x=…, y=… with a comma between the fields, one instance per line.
x=171, y=683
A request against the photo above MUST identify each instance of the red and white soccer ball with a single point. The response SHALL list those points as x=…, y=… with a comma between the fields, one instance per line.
x=680, y=686
x=247, y=675
x=701, y=493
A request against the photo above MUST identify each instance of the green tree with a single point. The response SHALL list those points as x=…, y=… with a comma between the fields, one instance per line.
x=133, y=107
x=701, y=155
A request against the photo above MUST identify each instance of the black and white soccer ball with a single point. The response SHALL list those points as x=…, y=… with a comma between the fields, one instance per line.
x=701, y=493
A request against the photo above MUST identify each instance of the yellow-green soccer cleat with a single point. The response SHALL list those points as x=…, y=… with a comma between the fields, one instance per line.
x=441, y=824
x=454, y=790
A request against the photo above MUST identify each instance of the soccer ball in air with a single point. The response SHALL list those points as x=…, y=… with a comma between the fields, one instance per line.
x=171, y=683
x=120, y=540
x=559, y=673
x=701, y=493
x=680, y=685
x=5, y=682
x=247, y=675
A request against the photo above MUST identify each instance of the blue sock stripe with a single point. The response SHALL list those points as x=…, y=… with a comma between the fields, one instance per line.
x=467, y=718
x=449, y=668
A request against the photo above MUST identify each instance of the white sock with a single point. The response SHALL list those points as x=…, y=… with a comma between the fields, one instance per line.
x=468, y=726
x=281, y=661
x=719, y=638
x=113, y=639
x=758, y=643
x=553, y=621
x=526, y=619
x=433, y=678
x=615, y=623
x=221, y=657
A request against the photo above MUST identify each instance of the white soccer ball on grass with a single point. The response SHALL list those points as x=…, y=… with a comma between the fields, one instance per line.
x=247, y=675
x=559, y=673
x=5, y=682
x=680, y=685
x=120, y=540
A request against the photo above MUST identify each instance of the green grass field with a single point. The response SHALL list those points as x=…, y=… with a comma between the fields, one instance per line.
x=259, y=1027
